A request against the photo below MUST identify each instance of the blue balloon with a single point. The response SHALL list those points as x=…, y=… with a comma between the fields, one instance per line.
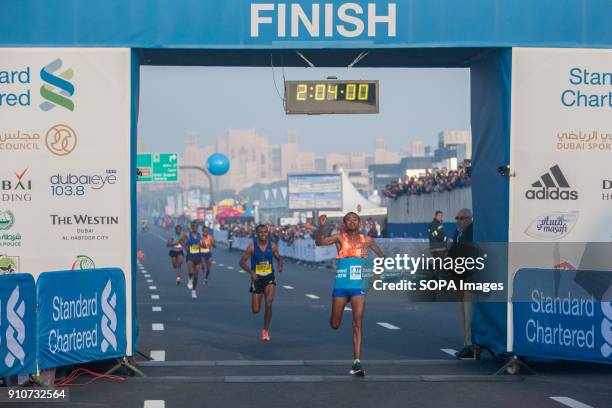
x=217, y=164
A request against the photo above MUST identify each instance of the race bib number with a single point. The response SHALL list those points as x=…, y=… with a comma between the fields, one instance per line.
x=194, y=249
x=263, y=268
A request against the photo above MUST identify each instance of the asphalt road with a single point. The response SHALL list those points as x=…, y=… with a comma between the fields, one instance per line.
x=208, y=352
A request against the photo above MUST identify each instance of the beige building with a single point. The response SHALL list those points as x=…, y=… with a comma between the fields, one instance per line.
x=456, y=137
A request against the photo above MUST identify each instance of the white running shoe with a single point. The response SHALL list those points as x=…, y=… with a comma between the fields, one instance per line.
x=190, y=284
x=194, y=295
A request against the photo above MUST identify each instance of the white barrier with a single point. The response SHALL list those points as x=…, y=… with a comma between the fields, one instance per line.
x=306, y=250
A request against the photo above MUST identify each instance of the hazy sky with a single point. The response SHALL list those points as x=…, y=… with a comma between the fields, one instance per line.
x=414, y=105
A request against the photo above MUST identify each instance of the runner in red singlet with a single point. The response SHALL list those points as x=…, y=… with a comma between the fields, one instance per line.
x=350, y=244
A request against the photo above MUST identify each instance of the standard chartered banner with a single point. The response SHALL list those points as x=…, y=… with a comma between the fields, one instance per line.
x=65, y=142
x=561, y=192
x=81, y=316
x=17, y=324
x=567, y=315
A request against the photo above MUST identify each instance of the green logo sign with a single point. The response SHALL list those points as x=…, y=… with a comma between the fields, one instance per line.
x=157, y=167
x=7, y=219
x=9, y=264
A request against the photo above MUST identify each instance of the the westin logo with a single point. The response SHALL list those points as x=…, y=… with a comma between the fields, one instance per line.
x=552, y=185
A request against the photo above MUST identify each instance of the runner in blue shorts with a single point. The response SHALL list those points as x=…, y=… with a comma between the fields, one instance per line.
x=350, y=244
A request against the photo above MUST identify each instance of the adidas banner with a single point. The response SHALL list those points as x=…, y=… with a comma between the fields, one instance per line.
x=81, y=316
x=560, y=191
x=17, y=324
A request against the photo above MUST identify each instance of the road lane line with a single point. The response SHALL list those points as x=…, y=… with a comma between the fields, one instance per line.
x=311, y=296
x=451, y=352
x=156, y=308
x=347, y=309
x=157, y=326
x=241, y=271
x=155, y=297
x=158, y=355
x=147, y=276
x=230, y=267
x=155, y=404
x=152, y=287
x=149, y=280
x=387, y=325
x=570, y=402
x=288, y=287
x=221, y=265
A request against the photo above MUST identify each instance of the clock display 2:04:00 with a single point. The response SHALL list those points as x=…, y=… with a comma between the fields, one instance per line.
x=333, y=92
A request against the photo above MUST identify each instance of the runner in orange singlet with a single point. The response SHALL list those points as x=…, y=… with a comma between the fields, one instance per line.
x=350, y=244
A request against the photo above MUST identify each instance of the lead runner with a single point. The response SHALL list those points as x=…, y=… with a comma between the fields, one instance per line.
x=350, y=244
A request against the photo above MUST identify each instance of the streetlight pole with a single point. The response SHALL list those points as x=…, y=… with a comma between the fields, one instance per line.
x=207, y=174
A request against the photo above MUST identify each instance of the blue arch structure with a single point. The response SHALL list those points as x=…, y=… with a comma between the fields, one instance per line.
x=478, y=34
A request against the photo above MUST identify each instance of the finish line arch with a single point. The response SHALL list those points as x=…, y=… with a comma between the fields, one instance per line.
x=500, y=41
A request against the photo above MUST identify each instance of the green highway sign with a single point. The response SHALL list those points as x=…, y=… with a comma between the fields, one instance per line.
x=157, y=167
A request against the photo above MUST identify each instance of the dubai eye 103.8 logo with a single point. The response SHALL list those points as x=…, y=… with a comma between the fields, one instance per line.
x=57, y=88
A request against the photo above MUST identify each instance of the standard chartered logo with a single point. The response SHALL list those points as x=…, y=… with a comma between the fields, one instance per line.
x=109, y=318
x=57, y=90
x=606, y=323
x=15, y=332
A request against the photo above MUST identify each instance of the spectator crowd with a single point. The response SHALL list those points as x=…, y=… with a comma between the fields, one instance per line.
x=434, y=181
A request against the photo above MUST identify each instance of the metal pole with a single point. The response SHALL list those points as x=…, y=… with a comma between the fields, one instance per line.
x=210, y=180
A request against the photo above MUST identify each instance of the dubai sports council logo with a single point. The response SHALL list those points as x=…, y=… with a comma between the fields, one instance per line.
x=109, y=318
x=83, y=262
x=57, y=89
x=15, y=332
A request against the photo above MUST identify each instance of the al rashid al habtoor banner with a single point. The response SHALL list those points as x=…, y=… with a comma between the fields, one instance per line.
x=65, y=144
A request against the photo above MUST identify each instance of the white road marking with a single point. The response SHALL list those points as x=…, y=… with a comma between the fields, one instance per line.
x=157, y=326
x=152, y=287
x=155, y=404
x=347, y=309
x=230, y=267
x=149, y=280
x=451, y=352
x=387, y=325
x=241, y=271
x=214, y=262
x=158, y=355
x=156, y=308
x=155, y=297
x=147, y=276
x=288, y=287
x=311, y=296
x=221, y=265
x=570, y=402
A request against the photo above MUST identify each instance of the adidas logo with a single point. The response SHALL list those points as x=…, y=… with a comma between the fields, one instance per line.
x=552, y=185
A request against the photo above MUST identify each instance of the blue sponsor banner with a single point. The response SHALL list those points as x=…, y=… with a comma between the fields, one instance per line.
x=17, y=324
x=81, y=317
x=563, y=314
x=353, y=273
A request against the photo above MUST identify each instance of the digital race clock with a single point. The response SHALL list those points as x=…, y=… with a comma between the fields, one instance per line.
x=331, y=96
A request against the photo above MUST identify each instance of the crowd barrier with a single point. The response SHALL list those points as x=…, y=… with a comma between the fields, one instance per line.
x=306, y=250
x=67, y=317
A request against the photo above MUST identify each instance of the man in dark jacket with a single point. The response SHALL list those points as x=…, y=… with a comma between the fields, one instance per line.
x=462, y=247
x=437, y=236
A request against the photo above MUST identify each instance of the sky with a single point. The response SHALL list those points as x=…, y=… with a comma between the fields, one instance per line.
x=415, y=104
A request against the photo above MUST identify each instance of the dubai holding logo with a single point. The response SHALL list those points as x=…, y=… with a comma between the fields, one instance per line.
x=15, y=332
x=57, y=90
x=109, y=318
x=553, y=225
